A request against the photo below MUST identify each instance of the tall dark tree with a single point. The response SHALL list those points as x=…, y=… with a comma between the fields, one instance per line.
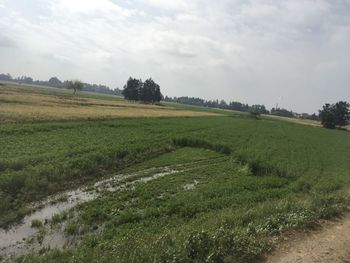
x=333, y=115
x=342, y=113
x=261, y=109
x=149, y=91
x=132, y=89
x=158, y=95
x=327, y=116
x=55, y=82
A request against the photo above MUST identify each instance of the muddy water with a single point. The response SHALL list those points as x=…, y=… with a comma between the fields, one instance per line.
x=14, y=241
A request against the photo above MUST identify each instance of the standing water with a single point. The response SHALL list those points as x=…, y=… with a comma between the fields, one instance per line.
x=19, y=239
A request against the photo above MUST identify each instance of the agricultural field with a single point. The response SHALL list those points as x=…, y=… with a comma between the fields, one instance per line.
x=302, y=121
x=23, y=103
x=191, y=186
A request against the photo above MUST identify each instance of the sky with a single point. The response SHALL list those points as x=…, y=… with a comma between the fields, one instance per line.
x=294, y=53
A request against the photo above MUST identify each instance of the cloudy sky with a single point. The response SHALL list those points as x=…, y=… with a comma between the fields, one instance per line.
x=292, y=52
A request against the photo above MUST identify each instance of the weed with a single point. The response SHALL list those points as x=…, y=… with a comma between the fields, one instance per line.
x=189, y=142
x=71, y=228
x=37, y=223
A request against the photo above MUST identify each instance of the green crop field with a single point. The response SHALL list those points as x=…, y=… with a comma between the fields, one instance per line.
x=237, y=183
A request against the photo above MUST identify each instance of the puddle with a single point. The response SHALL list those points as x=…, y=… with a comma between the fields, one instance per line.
x=191, y=185
x=14, y=241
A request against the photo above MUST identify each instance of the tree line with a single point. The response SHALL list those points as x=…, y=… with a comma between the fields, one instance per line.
x=57, y=83
x=222, y=104
x=238, y=106
x=136, y=90
x=331, y=115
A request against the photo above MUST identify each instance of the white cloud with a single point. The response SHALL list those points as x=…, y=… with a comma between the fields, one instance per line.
x=255, y=51
x=86, y=6
x=3, y=3
x=177, y=5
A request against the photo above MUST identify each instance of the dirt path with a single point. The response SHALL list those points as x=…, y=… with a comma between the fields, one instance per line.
x=330, y=243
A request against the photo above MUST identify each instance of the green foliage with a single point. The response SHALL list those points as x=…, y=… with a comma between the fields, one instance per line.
x=335, y=115
x=215, y=104
x=75, y=85
x=71, y=228
x=58, y=218
x=221, y=245
x=37, y=223
x=136, y=90
x=342, y=113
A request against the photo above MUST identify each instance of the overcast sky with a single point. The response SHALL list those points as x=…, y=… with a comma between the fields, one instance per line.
x=292, y=52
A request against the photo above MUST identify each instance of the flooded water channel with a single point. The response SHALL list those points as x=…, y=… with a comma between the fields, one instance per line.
x=20, y=238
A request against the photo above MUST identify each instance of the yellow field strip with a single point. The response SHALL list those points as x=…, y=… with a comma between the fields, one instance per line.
x=21, y=103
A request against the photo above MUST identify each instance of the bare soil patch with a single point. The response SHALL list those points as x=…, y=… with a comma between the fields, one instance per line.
x=329, y=243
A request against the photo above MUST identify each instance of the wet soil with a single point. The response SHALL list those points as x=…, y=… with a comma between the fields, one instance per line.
x=23, y=238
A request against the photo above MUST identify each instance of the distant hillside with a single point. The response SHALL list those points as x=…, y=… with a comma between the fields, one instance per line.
x=57, y=83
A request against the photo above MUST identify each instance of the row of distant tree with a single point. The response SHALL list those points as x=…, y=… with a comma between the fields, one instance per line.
x=57, y=83
x=147, y=91
x=331, y=116
x=238, y=106
x=222, y=104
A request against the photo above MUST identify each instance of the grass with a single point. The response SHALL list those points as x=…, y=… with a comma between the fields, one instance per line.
x=250, y=180
x=35, y=161
x=20, y=103
x=227, y=217
x=303, y=121
x=36, y=223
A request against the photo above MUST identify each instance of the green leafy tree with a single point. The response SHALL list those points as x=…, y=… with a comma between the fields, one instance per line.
x=132, y=89
x=146, y=94
x=261, y=109
x=151, y=91
x=333, y=115
x=327, y=116
x=158, y=95
x=135, y=89
x=342, y=113
x=75, y=85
